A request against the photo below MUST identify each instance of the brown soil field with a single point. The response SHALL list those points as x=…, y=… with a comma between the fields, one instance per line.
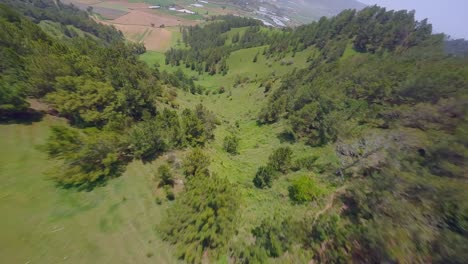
x=135, y=20
x=82, y=2
x=156, y=39
x=146, y=18
x=109, y=13
x=122, y=3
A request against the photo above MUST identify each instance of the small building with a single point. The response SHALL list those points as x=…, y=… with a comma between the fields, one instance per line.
x=154, y=7
x=186, y=11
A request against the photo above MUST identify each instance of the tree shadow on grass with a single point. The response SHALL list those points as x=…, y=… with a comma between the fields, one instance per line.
x=88, y=186
x=148, y=158
x=84, y=187
x=286, y=136
x=26, y=118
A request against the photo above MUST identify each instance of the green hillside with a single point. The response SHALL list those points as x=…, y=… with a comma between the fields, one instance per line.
x=114, y=223
x=340, y=141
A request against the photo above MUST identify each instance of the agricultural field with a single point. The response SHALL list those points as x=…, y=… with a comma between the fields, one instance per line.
x=156, y=28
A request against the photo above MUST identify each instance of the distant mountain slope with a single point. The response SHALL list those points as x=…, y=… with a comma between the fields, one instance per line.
x=296, y=11
x=309, y=10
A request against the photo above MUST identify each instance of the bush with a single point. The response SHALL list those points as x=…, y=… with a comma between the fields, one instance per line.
x=202, y=219
x=158, y=200
x=304, y=189
x=165, y=175
x=307, y=163
x=280, y=159
x=231, y=144
x=264, y=177
x=196, y=163
x=273, y=236
x=268, y=86
x=170, y=195
x=88, y=157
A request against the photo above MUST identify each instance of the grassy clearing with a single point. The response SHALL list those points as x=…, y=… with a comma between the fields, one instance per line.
x=46, y=224
x=349, y=52
x=240, y=64
x=153, y=57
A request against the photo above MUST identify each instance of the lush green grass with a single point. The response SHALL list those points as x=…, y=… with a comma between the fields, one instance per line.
x=153, y=57
x=349, y=52
x=43, y=223
x=232, y=32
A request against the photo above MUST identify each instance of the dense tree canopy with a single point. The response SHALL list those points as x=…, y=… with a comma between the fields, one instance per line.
x=203, y=219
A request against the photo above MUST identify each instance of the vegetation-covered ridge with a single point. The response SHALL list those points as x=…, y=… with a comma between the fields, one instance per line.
x=357, y=154
x=96, y=85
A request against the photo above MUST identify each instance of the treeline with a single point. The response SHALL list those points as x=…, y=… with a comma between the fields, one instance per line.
x=373, y=30
x=457, y=47
x=208, y=52
x=394, y=109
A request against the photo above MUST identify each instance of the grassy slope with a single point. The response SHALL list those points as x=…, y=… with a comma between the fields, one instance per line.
x=242, y=103
x=45, y=224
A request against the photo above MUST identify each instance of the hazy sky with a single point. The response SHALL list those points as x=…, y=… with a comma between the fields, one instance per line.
x=447, y=16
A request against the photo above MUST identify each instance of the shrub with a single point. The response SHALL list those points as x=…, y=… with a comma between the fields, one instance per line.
x=280, y=159
x=165, y=175
x=273, y=236
x=304, y=189
x=231, y=144
x=88, y=157
x=196, y=163
x=268, y=86
x=158, y=200
x=170, y=195
x=264, y=177
x=307, y=163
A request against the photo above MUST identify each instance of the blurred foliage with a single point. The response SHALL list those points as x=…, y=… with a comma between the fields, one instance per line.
x=203, y=219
